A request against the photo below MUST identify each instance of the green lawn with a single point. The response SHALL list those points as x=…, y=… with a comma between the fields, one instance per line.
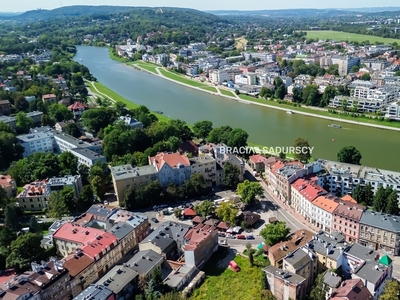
x=227, y=284
x=146, y=66
x=182, y=79
x=347, y=36
x=227, y=93
x=209, y=88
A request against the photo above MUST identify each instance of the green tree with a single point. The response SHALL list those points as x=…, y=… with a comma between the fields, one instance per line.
x=7, y=235
x=320, y=288
x=304, y=153
x=230, y=176
x=274, y=232
x=354, y=69
x=68, y=163
x=34, y=226
x=392, y=206
x=391, y=291
x=178, y=213
x=172, y=296
x=379, y=203
x=349, y=155
x=267, y=295
x=73, y=129
x=227, y=212
x=282, y=156
x=358, y=194
x=19, y=257
x=96, y=118
x=60, y=112
x=10, y=218
x=205, y=208
x=366, y=77
x=58, y=207
x=99, y=186
x=329, y=93
x=237, y=138
x=280, y=92
x=278, y=82
x=198, y=183
x=368, y=194
x=23, y=122
x=46, y=120
x=265, y=92
x=86, y=197
x=202, y=129
x=4, y=199
x=248, y=191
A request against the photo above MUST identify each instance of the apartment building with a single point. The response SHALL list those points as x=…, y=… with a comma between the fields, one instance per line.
x=393, y=111
x=380, y=232
x=207, y=166
x=351, y=289
x=86, y=156
x=125, y=234
x=139, y=222
x=100, y=216
x=362, y=105
x=220, y=76
x=34, y=196
x=96, y=292
x=124, y=177
x=171, y=167
x=322, y=209
x=285, y=176
x=345, y=63
x=56, y=184
x=67, y=142
x=36, y=142
x=49, y=98
x=145, y=262
x=346, y=219
x=362, y=89
x=21, y=289
x=8, y=184
x=285, y=285
x=11, y=121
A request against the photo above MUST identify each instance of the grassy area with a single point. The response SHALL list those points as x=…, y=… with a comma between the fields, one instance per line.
x=182, y=79
x=226, y=284
x=347, y=36
x=241, y=42
x=146, y=66
x=227, y=93
x=113, y=95
x=44, y=232
x=116, y=57
x=259, y=258
x=209, y=88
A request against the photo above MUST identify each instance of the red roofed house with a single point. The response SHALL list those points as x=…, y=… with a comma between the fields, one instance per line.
x=346, y=218
x=257, y=161
x=199, y=244
x=353, y=289
x=81, y=268
x=49, y=98
x=171, y=167
x=189, y=213
x=303, y=193
x=8, y=184
x=77, y=108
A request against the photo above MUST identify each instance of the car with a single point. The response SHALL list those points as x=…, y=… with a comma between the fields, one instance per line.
x=163, y=206
x=105, y=202
x=231, y=236
x=154, y=220
x=240, y=237
x=222, y=242
x=250, y=237
x=221, y=234
x=155, y=207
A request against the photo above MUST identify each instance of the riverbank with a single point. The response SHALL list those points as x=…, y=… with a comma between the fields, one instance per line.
x=257, y=101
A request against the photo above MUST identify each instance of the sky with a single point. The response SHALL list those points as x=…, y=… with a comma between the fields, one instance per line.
x=24, y=5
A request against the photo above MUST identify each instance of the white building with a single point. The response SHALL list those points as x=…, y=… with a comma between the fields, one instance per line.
x=247, y=79
x=393, y=111
x=36, y=142
x=322, y=209
x=58, y=183
x=362, y=105
x=86, y=156
x=133, y=123
x=362, y=89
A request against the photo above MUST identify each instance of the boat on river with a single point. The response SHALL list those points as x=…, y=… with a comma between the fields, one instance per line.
x=159, y=112
x=334, y=126
x=289, y=112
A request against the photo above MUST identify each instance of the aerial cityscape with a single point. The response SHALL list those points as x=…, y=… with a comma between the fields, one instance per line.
x=210, y=152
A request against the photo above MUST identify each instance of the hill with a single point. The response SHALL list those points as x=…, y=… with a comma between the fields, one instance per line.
x=283, y=12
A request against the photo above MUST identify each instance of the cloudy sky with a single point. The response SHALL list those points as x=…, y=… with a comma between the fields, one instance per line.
x=24, y=5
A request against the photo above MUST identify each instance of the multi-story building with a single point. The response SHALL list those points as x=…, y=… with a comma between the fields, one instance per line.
x=100, y=216
x=345, y=63
x=302, y=262
x=34, y=196
x=285, y=285
x=351, y=289
x=96, y=292
x=362, y=89
x=171, y=167
x=362, y=105
x=58, y=183
x=11, y=121
x=67, y=142
x=139, y=222
x=126, y=176
x=393, y=111
x=21, y=289
x=346, y=219
x=36, y=142
x=380, y=232
x=285, y=176
x=207, y=166
x=8, y=184
x=49, y=98
x=5, y=107
x=131, y=122
x=145, y=262
x=125, y=234
x=86, y=156
x=77, y=108
x=322, y=209
x=199, y=244
x=303, y=193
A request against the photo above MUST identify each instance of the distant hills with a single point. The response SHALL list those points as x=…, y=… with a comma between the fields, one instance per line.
x=10, y=14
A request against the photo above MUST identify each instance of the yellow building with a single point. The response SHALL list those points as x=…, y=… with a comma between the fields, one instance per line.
x=34, y=196
x=207, y=166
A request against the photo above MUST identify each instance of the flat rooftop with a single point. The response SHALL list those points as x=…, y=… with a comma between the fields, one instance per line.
x=294, y=279
x=89, y=154
x=127, y=171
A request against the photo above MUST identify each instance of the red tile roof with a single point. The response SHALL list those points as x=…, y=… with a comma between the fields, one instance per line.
x=188, y=212
x=6, y=180
x=353, y=289
x=326, y=203
x=76, y=233
x=258, y=158
x=75, y=264
x=48, y=96
x=223, y=225
x=197, y=235
x=95, y=248
x=307, y=190
x=77, y=106
x=171, y=159
x=350, y=210
x=348, y=198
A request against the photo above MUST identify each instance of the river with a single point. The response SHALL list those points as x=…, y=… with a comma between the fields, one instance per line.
x=265, y=126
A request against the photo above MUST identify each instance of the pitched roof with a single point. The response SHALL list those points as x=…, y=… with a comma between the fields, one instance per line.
x=292, y=242
x=385, y=260
x=174, y=160
x=348, y=198
x=48, y=96
x=379, y=220
x=258, y=158
x=250, y=218
x=350, y=209
x=76, y=263
x=198, y=219
x=325, y=203
x=76, y=233
x=223, y=225
x=195, y=236
x=189, y=212
x=99, y=244
x=308, y=190
x=77, y=106
x=353, y=289
x=144, y=261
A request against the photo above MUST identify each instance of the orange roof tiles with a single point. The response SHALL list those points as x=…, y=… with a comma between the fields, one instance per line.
x=307, y=190
x=348, y=198
x=197, y=235
x=171, y=159
x=326, y=203
x=276, y=166
x=75, y=264
x=99, y=244
x=258, y=158
x=48, y=96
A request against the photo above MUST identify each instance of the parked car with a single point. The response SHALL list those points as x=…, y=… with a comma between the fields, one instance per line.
x=250, y=237
x=105, y=202
x=221, y=234
x=222, y=242
x=155, y=207
x=163, y=206
x=154, y=220
x=231, y=236
x=240, y=237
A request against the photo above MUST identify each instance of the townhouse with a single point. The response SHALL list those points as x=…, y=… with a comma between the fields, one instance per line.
x=322, y=209
x=207, y=166
x=139, y=222
x=346, y=219
x=171, y=167
x=351, y=289
x=96, y=292
x=380, y=231
x=145, y=262
x=8, y=184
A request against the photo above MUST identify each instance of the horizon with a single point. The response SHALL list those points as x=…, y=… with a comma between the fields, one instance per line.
x=203, y=6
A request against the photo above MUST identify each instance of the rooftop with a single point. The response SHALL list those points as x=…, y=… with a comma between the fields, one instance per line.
x=102, y=242
x=32, y=137
x=77, y=234
x=177, y=276
x=299, y=258
x=349, y=210
x=121, y=230
x=197, y=235
x=292, y=278
x=45, y=273
x=352, y=289
x=134, y=219
x=117, y=278
x=127, y=171
x=95, y=292
x=258, y=158
x=35, y=189
x=382, y=221
x=331, y=279
x=144, y=261
x=308, y=190
x=66, y=180
x=201, y=160
x=328, y=244
x=6, y=181
x=77, y=143
x=76, y=263
x=101, y=212
x=327, y=203
x=174, y=160
x=89, y=154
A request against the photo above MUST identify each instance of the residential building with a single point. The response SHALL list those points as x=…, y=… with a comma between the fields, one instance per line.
x=145, y=262
x=393, y=111
x=126, y=176
x=20, y=290
x=199, y=244
x=121, y=280
x=332, y=281
x=139, y=222
x=361, y=105
x=96, y=292
x=125, y=234
x=49, y=98
x=351, y=289
x=5, y=107
x=257, y=162
x=379, y=231
x=285, y=285
x=362, y=89
x=11, y=121
x=278, y=252
x=302, y=262
x=249, y=218
x=346, y=219
x=34, y=196
x=58, y=183
x=181, y=276
x=9, y=185
x=192, y=70
x=100, y=216
x=189, y=147
x=77, y=108
x=36, y=142
x=171, y=167
x=131, y=122
x=167, y=239
x=345, y=63
x=87, y=157
x=285, y=176
x=66, y=142
x=322, y=209
x=207, y=166
x=303, y=193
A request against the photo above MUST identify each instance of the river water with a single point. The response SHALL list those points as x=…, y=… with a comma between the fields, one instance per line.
x=379, y=148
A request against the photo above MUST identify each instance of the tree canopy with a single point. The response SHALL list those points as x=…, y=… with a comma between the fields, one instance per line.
x=248, y=191
x=227, y=212
x=349, y=155
x=274, y=232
